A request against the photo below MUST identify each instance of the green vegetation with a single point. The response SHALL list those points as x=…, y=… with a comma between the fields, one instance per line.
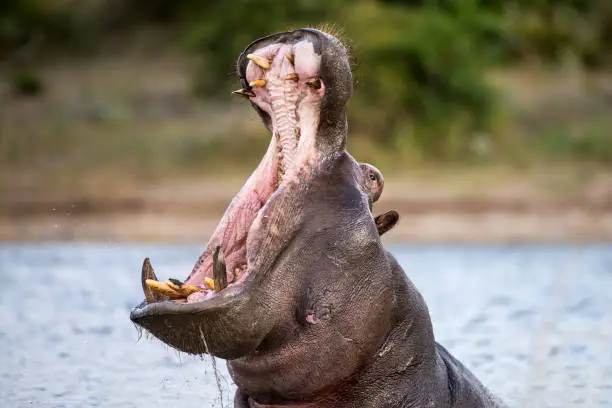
x=430, y=77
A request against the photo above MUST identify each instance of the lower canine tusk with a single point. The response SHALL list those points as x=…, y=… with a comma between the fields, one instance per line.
x=148, y=274
x=219, y=270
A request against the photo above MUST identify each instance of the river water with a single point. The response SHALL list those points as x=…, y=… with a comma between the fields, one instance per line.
x=534, y=323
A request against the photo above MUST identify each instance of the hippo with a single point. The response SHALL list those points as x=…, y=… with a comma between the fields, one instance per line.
x=306, y=305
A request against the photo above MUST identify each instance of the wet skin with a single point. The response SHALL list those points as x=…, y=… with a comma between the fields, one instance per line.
x=314, y=311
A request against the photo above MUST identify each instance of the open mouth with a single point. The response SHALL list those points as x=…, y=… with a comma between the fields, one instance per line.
x=281, y=77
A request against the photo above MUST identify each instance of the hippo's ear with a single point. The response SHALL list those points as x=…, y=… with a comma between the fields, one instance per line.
x=384, y=222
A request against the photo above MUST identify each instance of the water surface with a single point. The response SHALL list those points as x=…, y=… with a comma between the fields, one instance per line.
x=534, y=323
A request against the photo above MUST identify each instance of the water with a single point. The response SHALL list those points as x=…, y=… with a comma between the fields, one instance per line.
x=533, y=322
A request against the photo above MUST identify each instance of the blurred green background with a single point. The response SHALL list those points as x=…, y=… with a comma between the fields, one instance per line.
x=100, y=97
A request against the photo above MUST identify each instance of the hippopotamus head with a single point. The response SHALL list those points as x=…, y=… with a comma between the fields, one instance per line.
x=294, y=288
x=299, y=83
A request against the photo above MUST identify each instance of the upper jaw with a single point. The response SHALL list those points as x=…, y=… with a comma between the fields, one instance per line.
x=299, y=82
x=333, y=71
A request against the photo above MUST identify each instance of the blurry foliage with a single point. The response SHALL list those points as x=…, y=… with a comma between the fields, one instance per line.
x=420, y=65
x=221, y=30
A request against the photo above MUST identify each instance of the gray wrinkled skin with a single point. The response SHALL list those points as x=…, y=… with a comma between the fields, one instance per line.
x=326, y=316
x=373, y=345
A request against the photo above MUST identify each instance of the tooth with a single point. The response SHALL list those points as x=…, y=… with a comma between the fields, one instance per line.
x=219, y=270
x=149, y=274
x=162, y=288
x=236, y=272
x=289, y=56
x=174, y=284
x=244, y=92
x=261, y=61
x=209, y=282
x=292, y=77
x=314, y=83
x=260, y=83
x=180, y=288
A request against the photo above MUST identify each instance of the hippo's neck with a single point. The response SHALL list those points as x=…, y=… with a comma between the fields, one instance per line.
x=351, y=323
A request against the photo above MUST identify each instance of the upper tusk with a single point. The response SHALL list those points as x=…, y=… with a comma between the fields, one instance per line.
x=260, y=83
x=260, y=61
x=244, y=92
x=314, y=83
x=289, y=57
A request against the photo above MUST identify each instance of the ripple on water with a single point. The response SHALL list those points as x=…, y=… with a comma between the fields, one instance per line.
x=533, y=322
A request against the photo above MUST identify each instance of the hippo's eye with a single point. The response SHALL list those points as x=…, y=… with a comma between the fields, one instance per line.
x=373, y=177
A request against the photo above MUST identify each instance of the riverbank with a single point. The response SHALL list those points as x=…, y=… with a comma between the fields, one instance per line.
x=118, y=149
x=454, y=209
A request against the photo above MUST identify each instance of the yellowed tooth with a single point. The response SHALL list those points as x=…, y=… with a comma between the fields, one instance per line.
x=209, y=282
x=289, y=57
x=163, y=288
x=314, y=83
x=292, y=77
x=260, y=61
x=244, y=92
x=180, y=288
x=189, y=289
x=173, y=285
x=260, y=83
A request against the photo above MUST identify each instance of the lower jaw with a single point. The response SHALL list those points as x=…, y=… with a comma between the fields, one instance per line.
x=232, y=238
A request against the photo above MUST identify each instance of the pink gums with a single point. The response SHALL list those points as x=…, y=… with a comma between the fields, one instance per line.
x=232, y=231
x=293, y=106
